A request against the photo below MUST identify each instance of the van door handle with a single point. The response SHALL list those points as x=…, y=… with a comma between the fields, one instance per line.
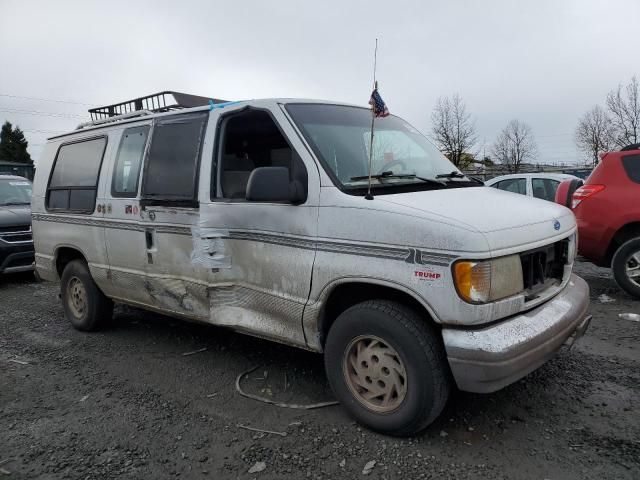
x=148, y=236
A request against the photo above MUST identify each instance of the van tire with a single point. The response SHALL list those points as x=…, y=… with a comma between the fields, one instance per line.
x=385, y=326
x=620, y=262
x=85, y=306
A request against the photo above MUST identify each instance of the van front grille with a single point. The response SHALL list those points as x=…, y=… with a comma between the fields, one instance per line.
x=544, y=266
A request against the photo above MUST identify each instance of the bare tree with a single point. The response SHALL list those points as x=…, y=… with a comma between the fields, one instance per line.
x=624, y=107
x=515, y=145
x=453, y=128
x=595, y=134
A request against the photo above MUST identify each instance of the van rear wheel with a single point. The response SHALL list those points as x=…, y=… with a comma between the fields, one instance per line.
x=387, y=367
x=626, y=267
x=85, y=306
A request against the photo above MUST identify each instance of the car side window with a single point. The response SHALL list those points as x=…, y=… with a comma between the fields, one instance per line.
x=514, y=185
x=171, y=171
x=631, y=164
x=73, y=183
x=544, y=188
x=128, y=162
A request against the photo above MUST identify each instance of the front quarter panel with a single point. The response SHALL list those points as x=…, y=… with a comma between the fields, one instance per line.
x=360, y=241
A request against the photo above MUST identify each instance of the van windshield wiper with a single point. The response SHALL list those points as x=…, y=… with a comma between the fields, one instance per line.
x=456, y=174
x=14, y=203
x=390, y=174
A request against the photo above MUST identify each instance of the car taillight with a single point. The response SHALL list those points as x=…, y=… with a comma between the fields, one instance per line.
x=583, y=192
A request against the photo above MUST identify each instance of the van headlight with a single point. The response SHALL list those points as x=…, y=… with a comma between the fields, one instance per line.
x=488, y=280
x=573, y=247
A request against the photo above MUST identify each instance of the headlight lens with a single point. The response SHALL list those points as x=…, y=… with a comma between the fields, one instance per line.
x=573, y=247
x=488, y=280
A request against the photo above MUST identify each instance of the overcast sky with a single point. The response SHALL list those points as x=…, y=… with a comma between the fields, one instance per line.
x=543, y=62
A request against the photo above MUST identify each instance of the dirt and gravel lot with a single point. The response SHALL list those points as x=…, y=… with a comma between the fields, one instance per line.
x=127, y=403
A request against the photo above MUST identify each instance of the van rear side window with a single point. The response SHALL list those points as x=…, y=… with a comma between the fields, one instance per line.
x=74, y=179
x=128, y=161
x=171, y=172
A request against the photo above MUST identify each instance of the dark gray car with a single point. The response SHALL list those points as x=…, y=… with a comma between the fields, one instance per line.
x=16, y=240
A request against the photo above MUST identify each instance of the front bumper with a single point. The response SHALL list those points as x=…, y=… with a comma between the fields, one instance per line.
x=16, y=257
x=488, y=359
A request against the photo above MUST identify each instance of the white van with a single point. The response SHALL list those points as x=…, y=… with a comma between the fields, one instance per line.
x=252, y=215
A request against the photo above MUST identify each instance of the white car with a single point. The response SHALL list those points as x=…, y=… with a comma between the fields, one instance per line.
x=255, y=216
x=539, y=185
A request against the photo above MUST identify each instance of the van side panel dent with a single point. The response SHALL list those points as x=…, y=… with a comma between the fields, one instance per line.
x=256, y=312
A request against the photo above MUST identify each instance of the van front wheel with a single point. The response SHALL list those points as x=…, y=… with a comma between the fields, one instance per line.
x=85, y=306
x=387, y=367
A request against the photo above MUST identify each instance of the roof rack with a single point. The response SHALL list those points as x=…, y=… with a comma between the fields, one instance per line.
x=115, y=118
x=156, y=102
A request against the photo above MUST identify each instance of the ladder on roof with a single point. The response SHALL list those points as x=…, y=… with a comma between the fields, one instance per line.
x=154, y=103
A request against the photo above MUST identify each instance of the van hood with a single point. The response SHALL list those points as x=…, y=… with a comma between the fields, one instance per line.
x=15, y=215
x=507, y=220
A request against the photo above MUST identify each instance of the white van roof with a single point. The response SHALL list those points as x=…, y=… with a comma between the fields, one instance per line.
x=167, y=103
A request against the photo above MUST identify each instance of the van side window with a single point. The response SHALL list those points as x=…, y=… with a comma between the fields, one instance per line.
x=251, y=139
x=171, y=172
x=128, y=161
x=74, y=180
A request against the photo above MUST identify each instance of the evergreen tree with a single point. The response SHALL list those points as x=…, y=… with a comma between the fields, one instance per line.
x=13, y=145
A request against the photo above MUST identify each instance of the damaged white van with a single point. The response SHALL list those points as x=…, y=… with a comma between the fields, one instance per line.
x=252, y=215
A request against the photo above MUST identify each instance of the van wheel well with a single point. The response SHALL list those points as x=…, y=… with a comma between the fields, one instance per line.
x=626, y=233
x=348, y=294
x=64, y=256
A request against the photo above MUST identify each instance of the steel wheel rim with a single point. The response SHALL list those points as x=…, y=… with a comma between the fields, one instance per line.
x=375, y=374
x=633, y=268
x=77, y=297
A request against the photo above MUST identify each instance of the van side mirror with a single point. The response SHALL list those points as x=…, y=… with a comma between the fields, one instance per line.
x=272, y=184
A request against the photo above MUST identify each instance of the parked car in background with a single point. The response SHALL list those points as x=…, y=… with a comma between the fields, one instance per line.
x=16, y=241
x=607, y=209
x=539, y=185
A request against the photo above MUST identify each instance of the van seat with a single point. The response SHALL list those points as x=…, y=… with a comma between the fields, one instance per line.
x=235, y=175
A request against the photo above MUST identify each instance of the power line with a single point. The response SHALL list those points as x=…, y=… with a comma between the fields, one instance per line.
x=554, y=135
x=44, y=99
x=42, y=131
x=43, y=114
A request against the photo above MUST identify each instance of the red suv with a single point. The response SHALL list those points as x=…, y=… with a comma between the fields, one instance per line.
x=607, y=208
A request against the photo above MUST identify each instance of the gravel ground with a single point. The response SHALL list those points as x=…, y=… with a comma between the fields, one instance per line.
x=127, y=402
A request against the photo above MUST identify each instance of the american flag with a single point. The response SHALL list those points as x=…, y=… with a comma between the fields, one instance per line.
x=377, y=104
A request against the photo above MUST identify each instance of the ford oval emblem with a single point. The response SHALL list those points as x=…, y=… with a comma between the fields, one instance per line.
x=556, y=225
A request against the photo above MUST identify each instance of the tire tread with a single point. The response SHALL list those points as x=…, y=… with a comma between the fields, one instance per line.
x=101, y=307
x=618, y=268
x=432, y=347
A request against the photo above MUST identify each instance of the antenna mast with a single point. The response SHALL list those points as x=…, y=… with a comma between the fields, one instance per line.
x=368, y=196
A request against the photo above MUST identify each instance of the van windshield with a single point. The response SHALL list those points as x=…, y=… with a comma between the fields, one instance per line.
x=340, y=137
x=15, y=192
